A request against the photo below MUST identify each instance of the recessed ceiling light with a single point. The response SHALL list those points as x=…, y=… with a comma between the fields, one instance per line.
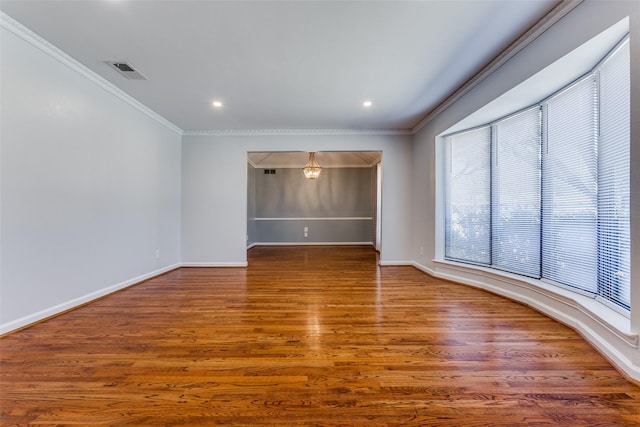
x=367, y=104
x=217, y=104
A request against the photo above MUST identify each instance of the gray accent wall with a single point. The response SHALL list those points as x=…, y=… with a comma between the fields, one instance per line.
x=338, y=207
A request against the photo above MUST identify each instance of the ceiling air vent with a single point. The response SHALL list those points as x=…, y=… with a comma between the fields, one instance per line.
x=127, y=70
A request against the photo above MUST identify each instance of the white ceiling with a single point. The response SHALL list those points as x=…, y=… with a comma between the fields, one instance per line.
x=284, y=64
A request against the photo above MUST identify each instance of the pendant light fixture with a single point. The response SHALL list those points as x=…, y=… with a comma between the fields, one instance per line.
x=312, y=169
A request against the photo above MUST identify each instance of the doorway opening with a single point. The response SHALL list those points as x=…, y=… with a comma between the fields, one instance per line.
x=341, y=207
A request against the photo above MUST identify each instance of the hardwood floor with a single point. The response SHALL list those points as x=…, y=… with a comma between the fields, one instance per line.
x=308, y=336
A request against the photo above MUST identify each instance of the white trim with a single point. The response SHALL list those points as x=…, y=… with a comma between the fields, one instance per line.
x=424, y=269
x=494, y=281
x=294, y=132
x=290, y=166
x=310, y=244
x=606, y=330
x=76, y=302
x=335, y=218
x=563, y=8
x=214, y=264
x=394, y=263
x=549, y=20
x=35, y=40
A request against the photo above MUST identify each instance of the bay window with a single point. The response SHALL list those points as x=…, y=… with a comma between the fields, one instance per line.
x=544, y=192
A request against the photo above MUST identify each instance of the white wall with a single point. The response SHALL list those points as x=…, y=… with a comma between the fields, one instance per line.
x=615, y=336
x=90, y=187
x=214, y=191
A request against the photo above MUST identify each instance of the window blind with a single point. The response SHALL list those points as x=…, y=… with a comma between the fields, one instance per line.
x=546, y=192
x=569, y=187
x=515, y=185
x=467, y=200
x=614, y=233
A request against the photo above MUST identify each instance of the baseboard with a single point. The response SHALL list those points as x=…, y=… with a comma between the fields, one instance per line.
x=606, y=334
x=422, y=268
x=214, y=264
x=394, y=263
x=310, y=244
x=77, y=302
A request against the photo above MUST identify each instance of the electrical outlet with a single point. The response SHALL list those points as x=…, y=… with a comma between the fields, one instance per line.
x=421, y=250
x=157, y=253
x=306, y=232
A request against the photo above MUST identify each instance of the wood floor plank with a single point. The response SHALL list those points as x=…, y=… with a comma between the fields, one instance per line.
x=307, y=336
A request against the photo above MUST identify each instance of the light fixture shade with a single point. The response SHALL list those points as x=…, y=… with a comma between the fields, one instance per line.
x=312, y=169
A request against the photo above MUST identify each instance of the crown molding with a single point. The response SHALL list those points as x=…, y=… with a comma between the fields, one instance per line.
x=550, y=19
x=293, y=132
x=547, y=21
x=35, y=40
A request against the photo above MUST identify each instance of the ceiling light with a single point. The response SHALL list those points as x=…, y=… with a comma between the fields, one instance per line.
x=217, y=104
x=367, y=104
x=312, y=169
